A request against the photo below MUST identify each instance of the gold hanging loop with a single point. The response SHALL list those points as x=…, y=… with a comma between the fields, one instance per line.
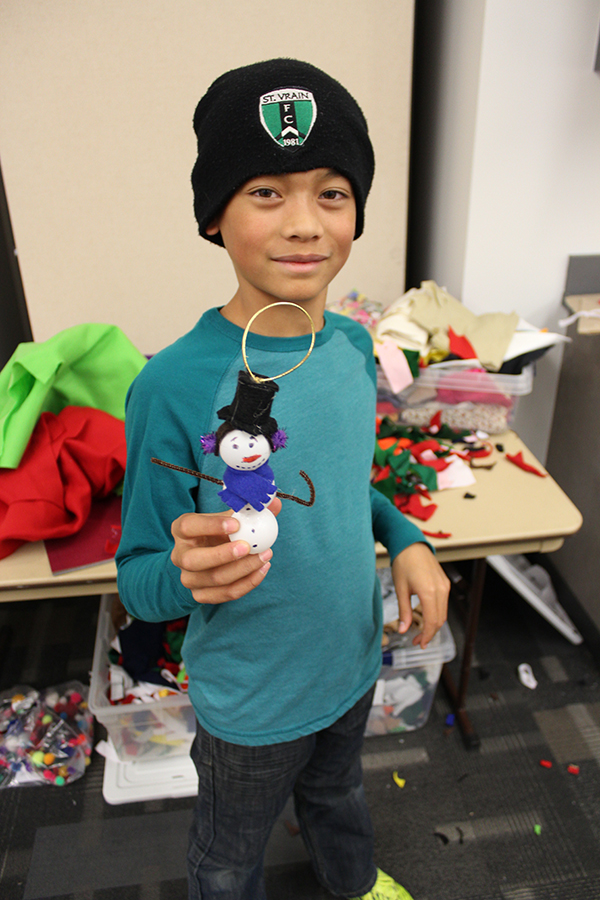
x=257, y=378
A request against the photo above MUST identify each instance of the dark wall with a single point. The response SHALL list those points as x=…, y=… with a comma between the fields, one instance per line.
x=14, y=318
x=428, y=36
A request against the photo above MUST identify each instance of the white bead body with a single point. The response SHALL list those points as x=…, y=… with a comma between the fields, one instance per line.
x=258, y=527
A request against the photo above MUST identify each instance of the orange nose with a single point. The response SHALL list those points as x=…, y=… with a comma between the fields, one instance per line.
x=251, y=458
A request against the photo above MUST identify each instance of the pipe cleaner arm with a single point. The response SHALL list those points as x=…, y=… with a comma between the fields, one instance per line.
x=280, y=494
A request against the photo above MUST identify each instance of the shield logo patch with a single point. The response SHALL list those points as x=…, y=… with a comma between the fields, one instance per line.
x=288, y=115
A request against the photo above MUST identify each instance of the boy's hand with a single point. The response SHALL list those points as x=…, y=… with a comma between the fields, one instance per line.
x=417, y=571
x=214, y=568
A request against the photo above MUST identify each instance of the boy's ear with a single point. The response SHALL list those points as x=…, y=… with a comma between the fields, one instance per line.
x=213, y=227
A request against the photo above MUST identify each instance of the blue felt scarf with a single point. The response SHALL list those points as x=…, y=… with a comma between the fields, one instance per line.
x=255, y=487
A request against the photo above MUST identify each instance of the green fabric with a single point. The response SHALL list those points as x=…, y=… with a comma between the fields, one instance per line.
x=406, y=475
x=427, y=476
x=381, y=455
x=388, y=487
x=86, y=365
x=389, y=428
x=412, y=358
x=400, y=464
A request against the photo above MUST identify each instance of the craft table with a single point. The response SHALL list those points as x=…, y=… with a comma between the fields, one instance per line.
x=26, y=575
x=513, y=511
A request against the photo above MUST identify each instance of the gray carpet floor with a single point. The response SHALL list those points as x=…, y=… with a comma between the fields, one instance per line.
x=491, y=824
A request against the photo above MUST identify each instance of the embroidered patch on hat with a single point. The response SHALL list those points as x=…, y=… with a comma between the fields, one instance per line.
x=288, y=115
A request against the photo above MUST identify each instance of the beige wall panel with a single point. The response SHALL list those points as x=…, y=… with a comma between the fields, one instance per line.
x=96, y=144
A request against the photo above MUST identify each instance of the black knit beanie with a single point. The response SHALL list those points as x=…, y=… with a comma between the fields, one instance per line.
x=271, y=118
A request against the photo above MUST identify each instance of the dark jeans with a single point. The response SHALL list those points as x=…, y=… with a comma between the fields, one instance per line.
x=242, y=791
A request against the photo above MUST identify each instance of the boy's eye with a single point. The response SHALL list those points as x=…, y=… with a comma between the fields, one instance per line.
x=267, y=193
x=333, y=194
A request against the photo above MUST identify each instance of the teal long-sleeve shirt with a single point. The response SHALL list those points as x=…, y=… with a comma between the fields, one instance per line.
x=296, y=653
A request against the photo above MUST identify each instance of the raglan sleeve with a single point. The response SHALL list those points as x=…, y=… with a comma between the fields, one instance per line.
x=391, y=527
x=148, y=582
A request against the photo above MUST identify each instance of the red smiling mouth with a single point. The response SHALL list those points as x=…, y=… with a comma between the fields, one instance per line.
x=249, y=459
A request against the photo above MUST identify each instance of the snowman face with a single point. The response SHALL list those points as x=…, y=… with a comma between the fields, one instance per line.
x=243, y=451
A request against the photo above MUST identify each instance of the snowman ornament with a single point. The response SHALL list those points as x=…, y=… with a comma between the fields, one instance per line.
x=245, y=441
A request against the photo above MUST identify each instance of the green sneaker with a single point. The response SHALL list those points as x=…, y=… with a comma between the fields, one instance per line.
x=385, y=888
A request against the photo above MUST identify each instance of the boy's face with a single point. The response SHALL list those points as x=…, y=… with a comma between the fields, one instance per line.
x=288, y=235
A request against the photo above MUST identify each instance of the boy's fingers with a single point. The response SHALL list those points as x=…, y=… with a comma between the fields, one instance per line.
x=435, y=608
x=405, y=611
x=193, y=558
x=275, y=506
x=426, y=635
x=233, y=591
x=192, y=526
x=218, y=566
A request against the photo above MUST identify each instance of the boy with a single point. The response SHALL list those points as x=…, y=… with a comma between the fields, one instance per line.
x=282, y=647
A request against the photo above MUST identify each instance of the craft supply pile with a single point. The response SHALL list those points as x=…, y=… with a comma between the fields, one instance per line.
x=448, y=384
x=45, y=736
x=62, y=433
x=139, y=687
x=436, y=356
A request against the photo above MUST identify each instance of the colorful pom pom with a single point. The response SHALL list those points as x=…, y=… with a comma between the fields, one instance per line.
x=208, y=442
x=279, y=439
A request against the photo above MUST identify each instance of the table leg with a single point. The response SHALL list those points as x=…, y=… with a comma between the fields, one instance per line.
x=458, y=696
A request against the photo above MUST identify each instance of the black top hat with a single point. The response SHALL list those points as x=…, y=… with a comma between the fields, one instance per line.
x=250, y=410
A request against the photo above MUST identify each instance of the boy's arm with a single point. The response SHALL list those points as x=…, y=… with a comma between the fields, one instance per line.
x=415, y=569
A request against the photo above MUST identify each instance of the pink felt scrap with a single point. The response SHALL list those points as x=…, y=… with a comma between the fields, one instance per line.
x=395, y=365
x=457, y=474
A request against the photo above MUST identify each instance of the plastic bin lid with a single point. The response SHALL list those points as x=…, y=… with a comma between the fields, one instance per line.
x=402, y=654
x=474, y=378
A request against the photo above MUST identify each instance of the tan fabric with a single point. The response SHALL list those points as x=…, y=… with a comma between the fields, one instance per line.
x=395, y=324
x=587, y=309
x=434, y=309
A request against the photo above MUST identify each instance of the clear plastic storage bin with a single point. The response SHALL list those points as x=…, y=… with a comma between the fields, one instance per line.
x=160, y=728
x=474, y=399
x=407, y=682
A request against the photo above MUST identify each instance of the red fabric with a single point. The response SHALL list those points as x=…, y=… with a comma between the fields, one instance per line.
x=412, y=505
x=518, y=460
x=382, y=474
x=460, y=346
x=435, y=423
x=418, y=447
x=438, y=464
x=70, y=458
